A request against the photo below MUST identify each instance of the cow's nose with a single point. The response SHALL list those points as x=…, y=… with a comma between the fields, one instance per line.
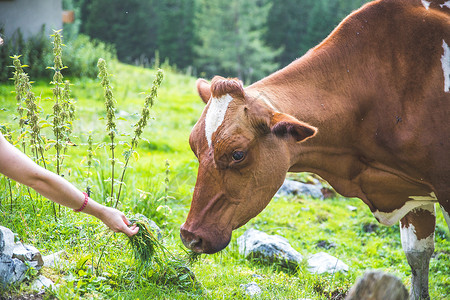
x=191, y=240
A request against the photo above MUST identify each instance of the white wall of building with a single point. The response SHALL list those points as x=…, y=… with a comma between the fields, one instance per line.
x=29, y=16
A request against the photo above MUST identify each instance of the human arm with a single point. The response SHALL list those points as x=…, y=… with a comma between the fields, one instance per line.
x=19, y=167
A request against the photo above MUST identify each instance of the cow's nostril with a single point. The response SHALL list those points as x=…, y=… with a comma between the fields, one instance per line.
x=195, y=244
x=191, y=240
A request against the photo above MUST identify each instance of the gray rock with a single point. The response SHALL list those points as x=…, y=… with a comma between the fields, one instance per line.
x=251, y=289
x=376, y=285
x=20, y=269
x=151, y=223
x=6, y=241
x=41, y=284
x=12, y=271
x=6, y=270
x=323, y=262
x=53, y=260
x=15, y=259
x=292, y=187
x=257, y=244
x=28, y=253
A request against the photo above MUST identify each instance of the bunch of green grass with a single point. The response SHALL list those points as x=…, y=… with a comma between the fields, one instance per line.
x=157, y=262
x=145, y=244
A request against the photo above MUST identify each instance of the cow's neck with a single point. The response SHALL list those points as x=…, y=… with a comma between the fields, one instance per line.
x=322, y=90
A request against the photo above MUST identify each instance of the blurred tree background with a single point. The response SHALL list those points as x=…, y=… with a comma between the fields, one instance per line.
x=245, y=39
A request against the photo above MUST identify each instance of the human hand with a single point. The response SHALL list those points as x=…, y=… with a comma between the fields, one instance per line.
x=117, y=221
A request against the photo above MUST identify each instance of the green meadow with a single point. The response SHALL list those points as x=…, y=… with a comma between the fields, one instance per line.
x=99, y=264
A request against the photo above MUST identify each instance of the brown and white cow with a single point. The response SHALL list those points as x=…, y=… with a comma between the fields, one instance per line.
x=368, y=110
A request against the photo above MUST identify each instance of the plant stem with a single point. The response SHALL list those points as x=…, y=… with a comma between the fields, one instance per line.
x=103, y=251
x=140, y=125
x=110, y=115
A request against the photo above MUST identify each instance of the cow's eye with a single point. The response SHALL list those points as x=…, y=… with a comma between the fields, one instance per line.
x=238, y=155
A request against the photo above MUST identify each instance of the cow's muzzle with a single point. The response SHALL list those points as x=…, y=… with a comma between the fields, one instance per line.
x=203, y=242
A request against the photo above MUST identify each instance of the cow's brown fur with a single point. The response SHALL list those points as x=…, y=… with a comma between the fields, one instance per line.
x=374, y=89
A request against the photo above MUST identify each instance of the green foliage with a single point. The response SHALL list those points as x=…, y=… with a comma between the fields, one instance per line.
x=80, y=55
x=245, y=39
x=35, y=53
x=231, y=43
x=139, y=28
x=130, y=25
x=298, y=26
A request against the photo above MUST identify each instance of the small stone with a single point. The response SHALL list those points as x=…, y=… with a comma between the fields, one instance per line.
x=28, y=253
x=325, y=244
x=6, y=270
x=376, y=285
x=53, y=260
x=20, y=269
x=251, y=289
x=351, y=208
x=153, y=226
x=323, y=262
x=41, y=283
x=292, y=187
x=257, y=244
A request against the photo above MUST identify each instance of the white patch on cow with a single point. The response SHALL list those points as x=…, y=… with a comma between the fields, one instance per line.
x=445, y=60
x=446, y=217
x=391, y=218
x=409, y=237
x=215, y=115
x=426, y=4
x=410, y=241
x=446, y=4
x=431, y=197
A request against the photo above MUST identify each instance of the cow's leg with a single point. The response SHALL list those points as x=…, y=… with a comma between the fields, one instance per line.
x=417, y=234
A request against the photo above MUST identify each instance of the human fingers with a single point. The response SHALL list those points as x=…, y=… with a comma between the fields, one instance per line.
x=130, y=231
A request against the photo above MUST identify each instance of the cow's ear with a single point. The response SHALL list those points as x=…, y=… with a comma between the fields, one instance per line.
x=285, y=125
x=204, y=89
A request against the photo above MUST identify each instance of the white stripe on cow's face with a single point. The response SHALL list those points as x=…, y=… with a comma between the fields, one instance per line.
x=409, y=237
x=215, y=115
x=426, y=4
x=445, y=59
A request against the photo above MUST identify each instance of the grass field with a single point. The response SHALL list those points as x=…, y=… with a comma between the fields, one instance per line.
x=100, y=265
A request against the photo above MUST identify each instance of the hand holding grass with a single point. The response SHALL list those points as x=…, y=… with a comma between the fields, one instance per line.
x=19, y=167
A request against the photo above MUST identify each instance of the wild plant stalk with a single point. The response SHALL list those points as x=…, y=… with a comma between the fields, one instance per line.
x=28, y=99
x=20, y=90
x=110, y=115
x=22, y=87
x=166, y=189
x=166, y=196
x=140, y=125
x=57, y=90
x=67, y=115
x=90, y=157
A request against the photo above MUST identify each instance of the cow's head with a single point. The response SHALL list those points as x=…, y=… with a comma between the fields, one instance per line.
x=242, y=145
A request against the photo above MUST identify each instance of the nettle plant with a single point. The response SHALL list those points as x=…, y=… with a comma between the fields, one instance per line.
x=30, y=133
